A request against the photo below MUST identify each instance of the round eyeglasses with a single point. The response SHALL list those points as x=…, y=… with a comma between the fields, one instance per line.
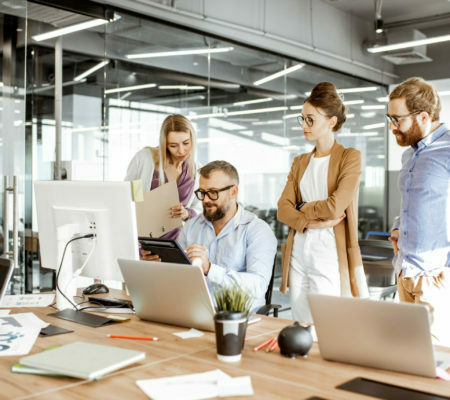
x=308, y=120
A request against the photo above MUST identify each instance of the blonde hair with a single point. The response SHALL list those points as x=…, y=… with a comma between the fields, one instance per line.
x=419, y=96
x=175, y=123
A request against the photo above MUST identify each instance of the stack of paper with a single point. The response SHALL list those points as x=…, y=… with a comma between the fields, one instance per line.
x=205, y=385
x=18, y=332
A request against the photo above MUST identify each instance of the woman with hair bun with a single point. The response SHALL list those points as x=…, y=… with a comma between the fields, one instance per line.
x=319, y=204
x=174, y=159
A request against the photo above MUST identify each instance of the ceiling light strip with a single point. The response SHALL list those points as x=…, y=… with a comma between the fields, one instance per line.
x=130, y=88
x=278, y=74
x=69, y=29
x=410, y=43
x=91, y=71
x=180, y=52
x=243, y=103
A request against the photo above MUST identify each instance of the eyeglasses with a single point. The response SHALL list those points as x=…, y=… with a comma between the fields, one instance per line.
x=396, y=120
x=309, y=121
x=212, y=194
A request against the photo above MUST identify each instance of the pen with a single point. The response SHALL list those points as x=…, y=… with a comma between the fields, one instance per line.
x=154, y=339
x=263, y=344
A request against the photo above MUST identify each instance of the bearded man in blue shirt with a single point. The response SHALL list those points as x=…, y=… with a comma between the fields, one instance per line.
x=421, y=234
x=234, y=245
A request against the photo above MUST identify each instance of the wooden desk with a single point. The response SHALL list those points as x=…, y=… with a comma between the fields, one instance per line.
x=273, y=376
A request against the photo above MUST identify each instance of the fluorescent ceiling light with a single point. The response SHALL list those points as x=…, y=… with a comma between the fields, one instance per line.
x=224, y=124
x=354, y=90
x=295, y=107
x=271, y=122
x=179, y=99
x=247, y=133
x=243, y=103
x=444, y=93
x=374, y=126
x=383, y=99
x=373, y=107
x=278, y=74
x=353, y=102
x=124, y=89
x=292, y=148
x=296, y=128
x=180, y=52
x=410, y=43
x=358, y=134
x=349, y=116
x=69, y=29
x=181, y=87
x=90, y=71
x=243, y=112
x=287, y=116
x=268, y=137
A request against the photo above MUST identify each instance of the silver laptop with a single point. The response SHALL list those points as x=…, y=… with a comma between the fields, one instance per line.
x=386, y=335
x=175, y=294
x=6, y=270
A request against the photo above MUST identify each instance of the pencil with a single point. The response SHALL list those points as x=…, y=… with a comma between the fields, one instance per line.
x=154, y=339
x=263, y=344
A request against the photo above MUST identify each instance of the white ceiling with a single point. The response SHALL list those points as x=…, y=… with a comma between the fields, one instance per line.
x=393, y=10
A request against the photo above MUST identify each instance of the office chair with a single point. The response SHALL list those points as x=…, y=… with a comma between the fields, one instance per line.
x=377, y=260
x=265, y=309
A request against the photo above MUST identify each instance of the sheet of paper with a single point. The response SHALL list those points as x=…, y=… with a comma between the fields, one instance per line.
x=4, y=312
x=192, y=333
x=18, y=332
x=204, y=385
x=27, y=300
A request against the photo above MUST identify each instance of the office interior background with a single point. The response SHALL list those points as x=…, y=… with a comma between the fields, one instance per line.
x=113, y=100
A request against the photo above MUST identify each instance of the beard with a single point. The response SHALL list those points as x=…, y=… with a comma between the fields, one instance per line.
x=409, y=138
x=215, y=214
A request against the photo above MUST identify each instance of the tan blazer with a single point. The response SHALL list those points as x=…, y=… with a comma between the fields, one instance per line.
x=343, y=183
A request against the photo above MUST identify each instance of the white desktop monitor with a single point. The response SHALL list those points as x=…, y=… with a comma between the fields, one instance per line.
x=67, y=209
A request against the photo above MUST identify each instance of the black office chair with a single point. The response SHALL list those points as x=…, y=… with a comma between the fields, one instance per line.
x=268, y=307
x=377, y=260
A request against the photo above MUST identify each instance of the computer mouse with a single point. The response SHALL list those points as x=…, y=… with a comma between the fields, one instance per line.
x=96, y=288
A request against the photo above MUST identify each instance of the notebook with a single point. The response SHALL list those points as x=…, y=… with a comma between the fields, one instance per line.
x=83, y=360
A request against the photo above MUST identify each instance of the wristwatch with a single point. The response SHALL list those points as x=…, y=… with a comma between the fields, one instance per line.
x=298, y=206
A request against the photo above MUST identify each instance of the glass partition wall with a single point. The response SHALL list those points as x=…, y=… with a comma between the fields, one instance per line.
x=122, y=78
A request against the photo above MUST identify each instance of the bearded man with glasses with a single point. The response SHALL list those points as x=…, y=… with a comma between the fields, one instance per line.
x=421, y=234
x=234, y=245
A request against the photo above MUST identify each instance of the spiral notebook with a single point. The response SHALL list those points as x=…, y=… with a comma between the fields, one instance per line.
x=83, y=360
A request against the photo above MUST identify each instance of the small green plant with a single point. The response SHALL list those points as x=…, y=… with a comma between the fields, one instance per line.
x=233, y=298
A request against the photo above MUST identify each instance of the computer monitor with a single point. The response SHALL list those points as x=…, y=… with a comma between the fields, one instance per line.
x=69, y=209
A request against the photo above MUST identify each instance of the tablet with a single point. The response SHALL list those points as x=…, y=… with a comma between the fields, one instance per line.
x=168, y=250
x=6, y=270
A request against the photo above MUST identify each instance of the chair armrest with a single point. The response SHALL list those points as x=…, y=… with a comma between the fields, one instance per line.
x=265, y=309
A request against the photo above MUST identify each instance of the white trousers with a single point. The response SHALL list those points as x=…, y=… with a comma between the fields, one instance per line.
x=314, y=269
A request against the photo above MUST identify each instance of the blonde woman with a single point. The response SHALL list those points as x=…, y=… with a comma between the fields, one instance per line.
x=174, y=159
x=319, y=203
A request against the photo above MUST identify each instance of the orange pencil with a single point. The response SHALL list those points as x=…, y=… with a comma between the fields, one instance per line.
x=263, y=344
x=154, y=339
x=271, y=344
x=274, y=346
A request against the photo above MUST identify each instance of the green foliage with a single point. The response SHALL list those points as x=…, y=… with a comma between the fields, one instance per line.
x=233, y=298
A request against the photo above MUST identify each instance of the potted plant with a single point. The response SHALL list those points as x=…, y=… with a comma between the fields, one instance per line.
x=233, y=305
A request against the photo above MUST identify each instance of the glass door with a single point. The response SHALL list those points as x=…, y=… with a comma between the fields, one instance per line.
x=13, y=231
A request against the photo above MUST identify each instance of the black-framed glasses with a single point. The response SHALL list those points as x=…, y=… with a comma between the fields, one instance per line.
x=212, y=194
x=308, y=120
x=396, y=120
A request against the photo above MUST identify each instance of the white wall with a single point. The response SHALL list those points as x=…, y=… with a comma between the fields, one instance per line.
x=310, y=30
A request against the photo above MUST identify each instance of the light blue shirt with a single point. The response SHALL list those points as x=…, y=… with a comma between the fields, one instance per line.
x=242, y=252
x=424, y=222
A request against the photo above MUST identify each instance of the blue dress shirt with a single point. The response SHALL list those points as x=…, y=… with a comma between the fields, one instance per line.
x=242, y=252
x=424, y=222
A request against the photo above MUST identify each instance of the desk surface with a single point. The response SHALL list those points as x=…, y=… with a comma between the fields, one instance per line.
x=273, y=376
